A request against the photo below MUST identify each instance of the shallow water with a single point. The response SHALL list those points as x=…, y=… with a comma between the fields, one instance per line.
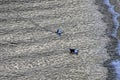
x=116, y=64
x=115, y=15
x=116, y=24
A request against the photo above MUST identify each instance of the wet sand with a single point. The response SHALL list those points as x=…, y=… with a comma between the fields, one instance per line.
x=30, y=50
x=112, y=64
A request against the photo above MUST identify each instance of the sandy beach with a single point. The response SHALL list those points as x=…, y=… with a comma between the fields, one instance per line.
x=31, y=50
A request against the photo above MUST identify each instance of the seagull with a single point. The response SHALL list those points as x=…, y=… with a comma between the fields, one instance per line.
x=74, y=51
x=59, y=32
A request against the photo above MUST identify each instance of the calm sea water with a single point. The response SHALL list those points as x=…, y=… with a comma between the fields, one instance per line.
x=116, y=62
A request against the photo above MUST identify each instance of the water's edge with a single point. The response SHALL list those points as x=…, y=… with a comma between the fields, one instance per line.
x=113, y=47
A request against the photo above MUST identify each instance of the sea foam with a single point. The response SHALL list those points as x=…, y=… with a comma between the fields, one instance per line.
x=115, y=63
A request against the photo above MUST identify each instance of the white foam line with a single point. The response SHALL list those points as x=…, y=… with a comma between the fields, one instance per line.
x=116, y=64
x=115, y=15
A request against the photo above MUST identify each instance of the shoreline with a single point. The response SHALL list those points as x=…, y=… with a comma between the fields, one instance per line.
x=112, y=64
